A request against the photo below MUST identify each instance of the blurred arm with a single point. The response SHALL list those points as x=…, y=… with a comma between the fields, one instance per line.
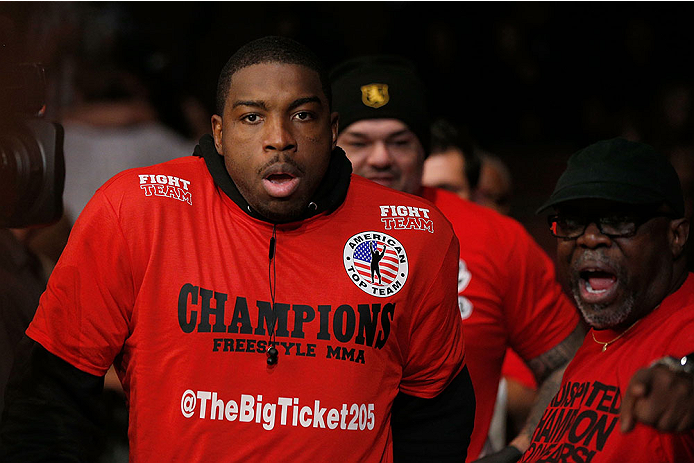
x=435, y=430
x=52, y=410
x=548, y=369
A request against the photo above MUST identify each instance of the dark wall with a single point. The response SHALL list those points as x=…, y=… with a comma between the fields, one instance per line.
x=532, y=81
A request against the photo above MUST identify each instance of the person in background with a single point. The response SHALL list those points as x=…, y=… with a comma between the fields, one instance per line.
x=628, y=394
x=452, y=163
x=507, y=291
x=23, y=280
x=457, y=165
x=495, y=185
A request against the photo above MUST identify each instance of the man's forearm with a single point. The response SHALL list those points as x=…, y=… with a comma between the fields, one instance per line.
x=546, y=391
x=52, y=410
x=435, y=430
x=548, y=369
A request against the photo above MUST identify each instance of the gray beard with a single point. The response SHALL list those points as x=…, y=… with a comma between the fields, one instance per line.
x=600, y=317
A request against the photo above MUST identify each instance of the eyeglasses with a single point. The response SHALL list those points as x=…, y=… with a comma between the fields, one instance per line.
x=569, y=227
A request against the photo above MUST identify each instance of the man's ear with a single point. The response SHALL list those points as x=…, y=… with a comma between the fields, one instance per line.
x=678, y=235
x=334, y=125
x=217, y=133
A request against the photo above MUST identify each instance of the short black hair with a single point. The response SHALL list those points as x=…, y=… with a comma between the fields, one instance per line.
x=445, y=135
x=271, y=49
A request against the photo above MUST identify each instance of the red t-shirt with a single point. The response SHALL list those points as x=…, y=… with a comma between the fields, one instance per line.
x=508, y=297
x=515, y=368
x=168, y=278
x=582, y=421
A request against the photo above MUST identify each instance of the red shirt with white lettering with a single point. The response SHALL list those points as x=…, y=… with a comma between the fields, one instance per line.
x=167, y=277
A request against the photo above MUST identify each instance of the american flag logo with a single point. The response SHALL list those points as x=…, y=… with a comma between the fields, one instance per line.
x=388, y=264
x=376, y=263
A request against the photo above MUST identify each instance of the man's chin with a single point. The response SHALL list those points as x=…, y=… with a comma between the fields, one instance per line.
x=390, y=183
x=603, y=316
x=282, y=211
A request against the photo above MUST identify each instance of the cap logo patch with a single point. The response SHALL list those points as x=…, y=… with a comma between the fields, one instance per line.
x=375, y=95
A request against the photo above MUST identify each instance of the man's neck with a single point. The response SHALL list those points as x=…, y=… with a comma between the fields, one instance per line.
x=330, y=193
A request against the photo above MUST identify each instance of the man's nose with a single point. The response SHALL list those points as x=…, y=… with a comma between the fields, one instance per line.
x=379, y=155
x=592, y=237
x=278, y=135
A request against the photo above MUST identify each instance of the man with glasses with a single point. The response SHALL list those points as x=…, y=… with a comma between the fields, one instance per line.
x=628, y=393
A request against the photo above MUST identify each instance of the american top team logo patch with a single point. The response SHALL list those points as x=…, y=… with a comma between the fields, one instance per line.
x=376, y=263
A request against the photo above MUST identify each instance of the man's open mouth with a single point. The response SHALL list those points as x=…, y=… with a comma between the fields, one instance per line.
x=597, y=285
x=281, y=179
x=281, y=185
x=382, y=179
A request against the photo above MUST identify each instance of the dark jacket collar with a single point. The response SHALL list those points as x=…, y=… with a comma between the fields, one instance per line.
x=329, y=195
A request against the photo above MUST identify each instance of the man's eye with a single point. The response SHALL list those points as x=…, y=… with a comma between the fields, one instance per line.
x=401, y=142
x=569, y=222
x=303, y=116
x=618, y=221
x=252, y=118
x=356, y=144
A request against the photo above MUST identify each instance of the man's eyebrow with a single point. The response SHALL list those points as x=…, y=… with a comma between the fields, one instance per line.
x=390, y=136
x=305, y=100
x=252, y=103
x=366, y=136
x=261, y=104
x=356, y=134
x=400, y=133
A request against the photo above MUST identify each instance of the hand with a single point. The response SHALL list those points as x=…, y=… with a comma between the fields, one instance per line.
x=659, y=397
x=508, y=454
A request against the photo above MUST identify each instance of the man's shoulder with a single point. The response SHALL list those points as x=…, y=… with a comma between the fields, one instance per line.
x=364, y=186
x=466, y=214
x=677, y=309
x=178, y=173
x=395, y=208
x=179, y=184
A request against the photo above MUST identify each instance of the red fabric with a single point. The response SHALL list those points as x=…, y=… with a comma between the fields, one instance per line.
x=583, y=424
x=148, y=269
x=508, y=297
x=515, y=368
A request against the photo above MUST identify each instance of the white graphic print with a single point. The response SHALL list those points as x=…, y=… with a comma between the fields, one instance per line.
x=464, y=277
x=376, y=263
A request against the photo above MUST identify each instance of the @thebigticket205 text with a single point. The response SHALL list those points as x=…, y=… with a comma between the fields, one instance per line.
x=285, y=411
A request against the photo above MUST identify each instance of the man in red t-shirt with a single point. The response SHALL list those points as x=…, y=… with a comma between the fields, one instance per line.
x=234, y=293
x=628, y=394
x=507, y=292
x=456, y=165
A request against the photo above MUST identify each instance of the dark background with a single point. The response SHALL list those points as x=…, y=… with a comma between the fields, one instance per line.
x=532, y=81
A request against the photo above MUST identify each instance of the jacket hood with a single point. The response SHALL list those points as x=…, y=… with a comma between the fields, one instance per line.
x=329, y=195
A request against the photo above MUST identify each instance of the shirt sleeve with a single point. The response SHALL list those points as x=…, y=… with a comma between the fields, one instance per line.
x=435, y=350
x=680, y=341
x=537, y=312
x=83, y=316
